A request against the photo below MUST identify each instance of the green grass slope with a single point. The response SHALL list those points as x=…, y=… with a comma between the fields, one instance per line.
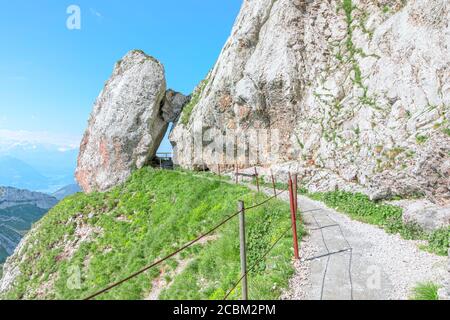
x=89, y=241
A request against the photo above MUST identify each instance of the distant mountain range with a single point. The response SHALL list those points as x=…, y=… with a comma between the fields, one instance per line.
x=32, y=161
x=66, y=191
x=44, y=168
x=19, y=209
x=16, y=173
x=11, y=197
x=47, y=169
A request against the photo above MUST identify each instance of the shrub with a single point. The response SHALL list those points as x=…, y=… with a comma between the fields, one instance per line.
x=438, y=241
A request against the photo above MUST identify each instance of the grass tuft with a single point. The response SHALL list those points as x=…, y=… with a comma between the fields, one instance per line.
x=426, y=291
x=446, y=131
x=420, y=139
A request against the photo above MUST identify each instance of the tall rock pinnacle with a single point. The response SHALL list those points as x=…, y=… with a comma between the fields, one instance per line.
x=126, y=126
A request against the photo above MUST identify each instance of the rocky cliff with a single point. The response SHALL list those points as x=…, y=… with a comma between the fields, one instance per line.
x=357, y=90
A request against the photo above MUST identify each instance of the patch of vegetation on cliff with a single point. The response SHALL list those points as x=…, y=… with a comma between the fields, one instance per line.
x=148, y=217
x=187, y=110
x=353, y=22
x=348, y=7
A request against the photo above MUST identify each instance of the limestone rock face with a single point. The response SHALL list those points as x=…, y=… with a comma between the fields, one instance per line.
x=174, y=103
x=358, y=89
x=126, y=126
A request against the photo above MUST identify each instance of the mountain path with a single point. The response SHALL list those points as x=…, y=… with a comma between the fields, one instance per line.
x=344, y=259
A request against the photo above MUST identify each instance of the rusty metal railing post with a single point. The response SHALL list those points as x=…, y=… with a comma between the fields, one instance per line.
x=293, y=218
x=237, y=173
x=273, y=184
x=218, y=169
x=243, y=249
x=295, y=178
x=257, y=179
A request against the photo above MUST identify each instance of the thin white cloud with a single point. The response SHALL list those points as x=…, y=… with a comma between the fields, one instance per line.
x=17, y=137
x=65, y=149
x=96, y=13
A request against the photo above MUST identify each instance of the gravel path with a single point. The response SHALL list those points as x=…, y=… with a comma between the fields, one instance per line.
x=346, y=259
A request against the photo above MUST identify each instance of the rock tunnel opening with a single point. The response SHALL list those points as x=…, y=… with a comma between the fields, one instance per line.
x=170, y=110
x=164, y=153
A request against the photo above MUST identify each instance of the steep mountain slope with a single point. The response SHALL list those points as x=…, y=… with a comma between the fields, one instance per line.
x=355, y=95
x=88, y=241
x=66, y=191
x=14, y=223
x=19, y=209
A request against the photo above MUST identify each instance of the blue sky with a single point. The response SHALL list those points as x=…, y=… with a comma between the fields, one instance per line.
x=50, y=76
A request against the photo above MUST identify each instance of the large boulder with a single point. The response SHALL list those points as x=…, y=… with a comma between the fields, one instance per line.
x=428, y=215
x=358, y=90
x=174, y=103
x=126, y=126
